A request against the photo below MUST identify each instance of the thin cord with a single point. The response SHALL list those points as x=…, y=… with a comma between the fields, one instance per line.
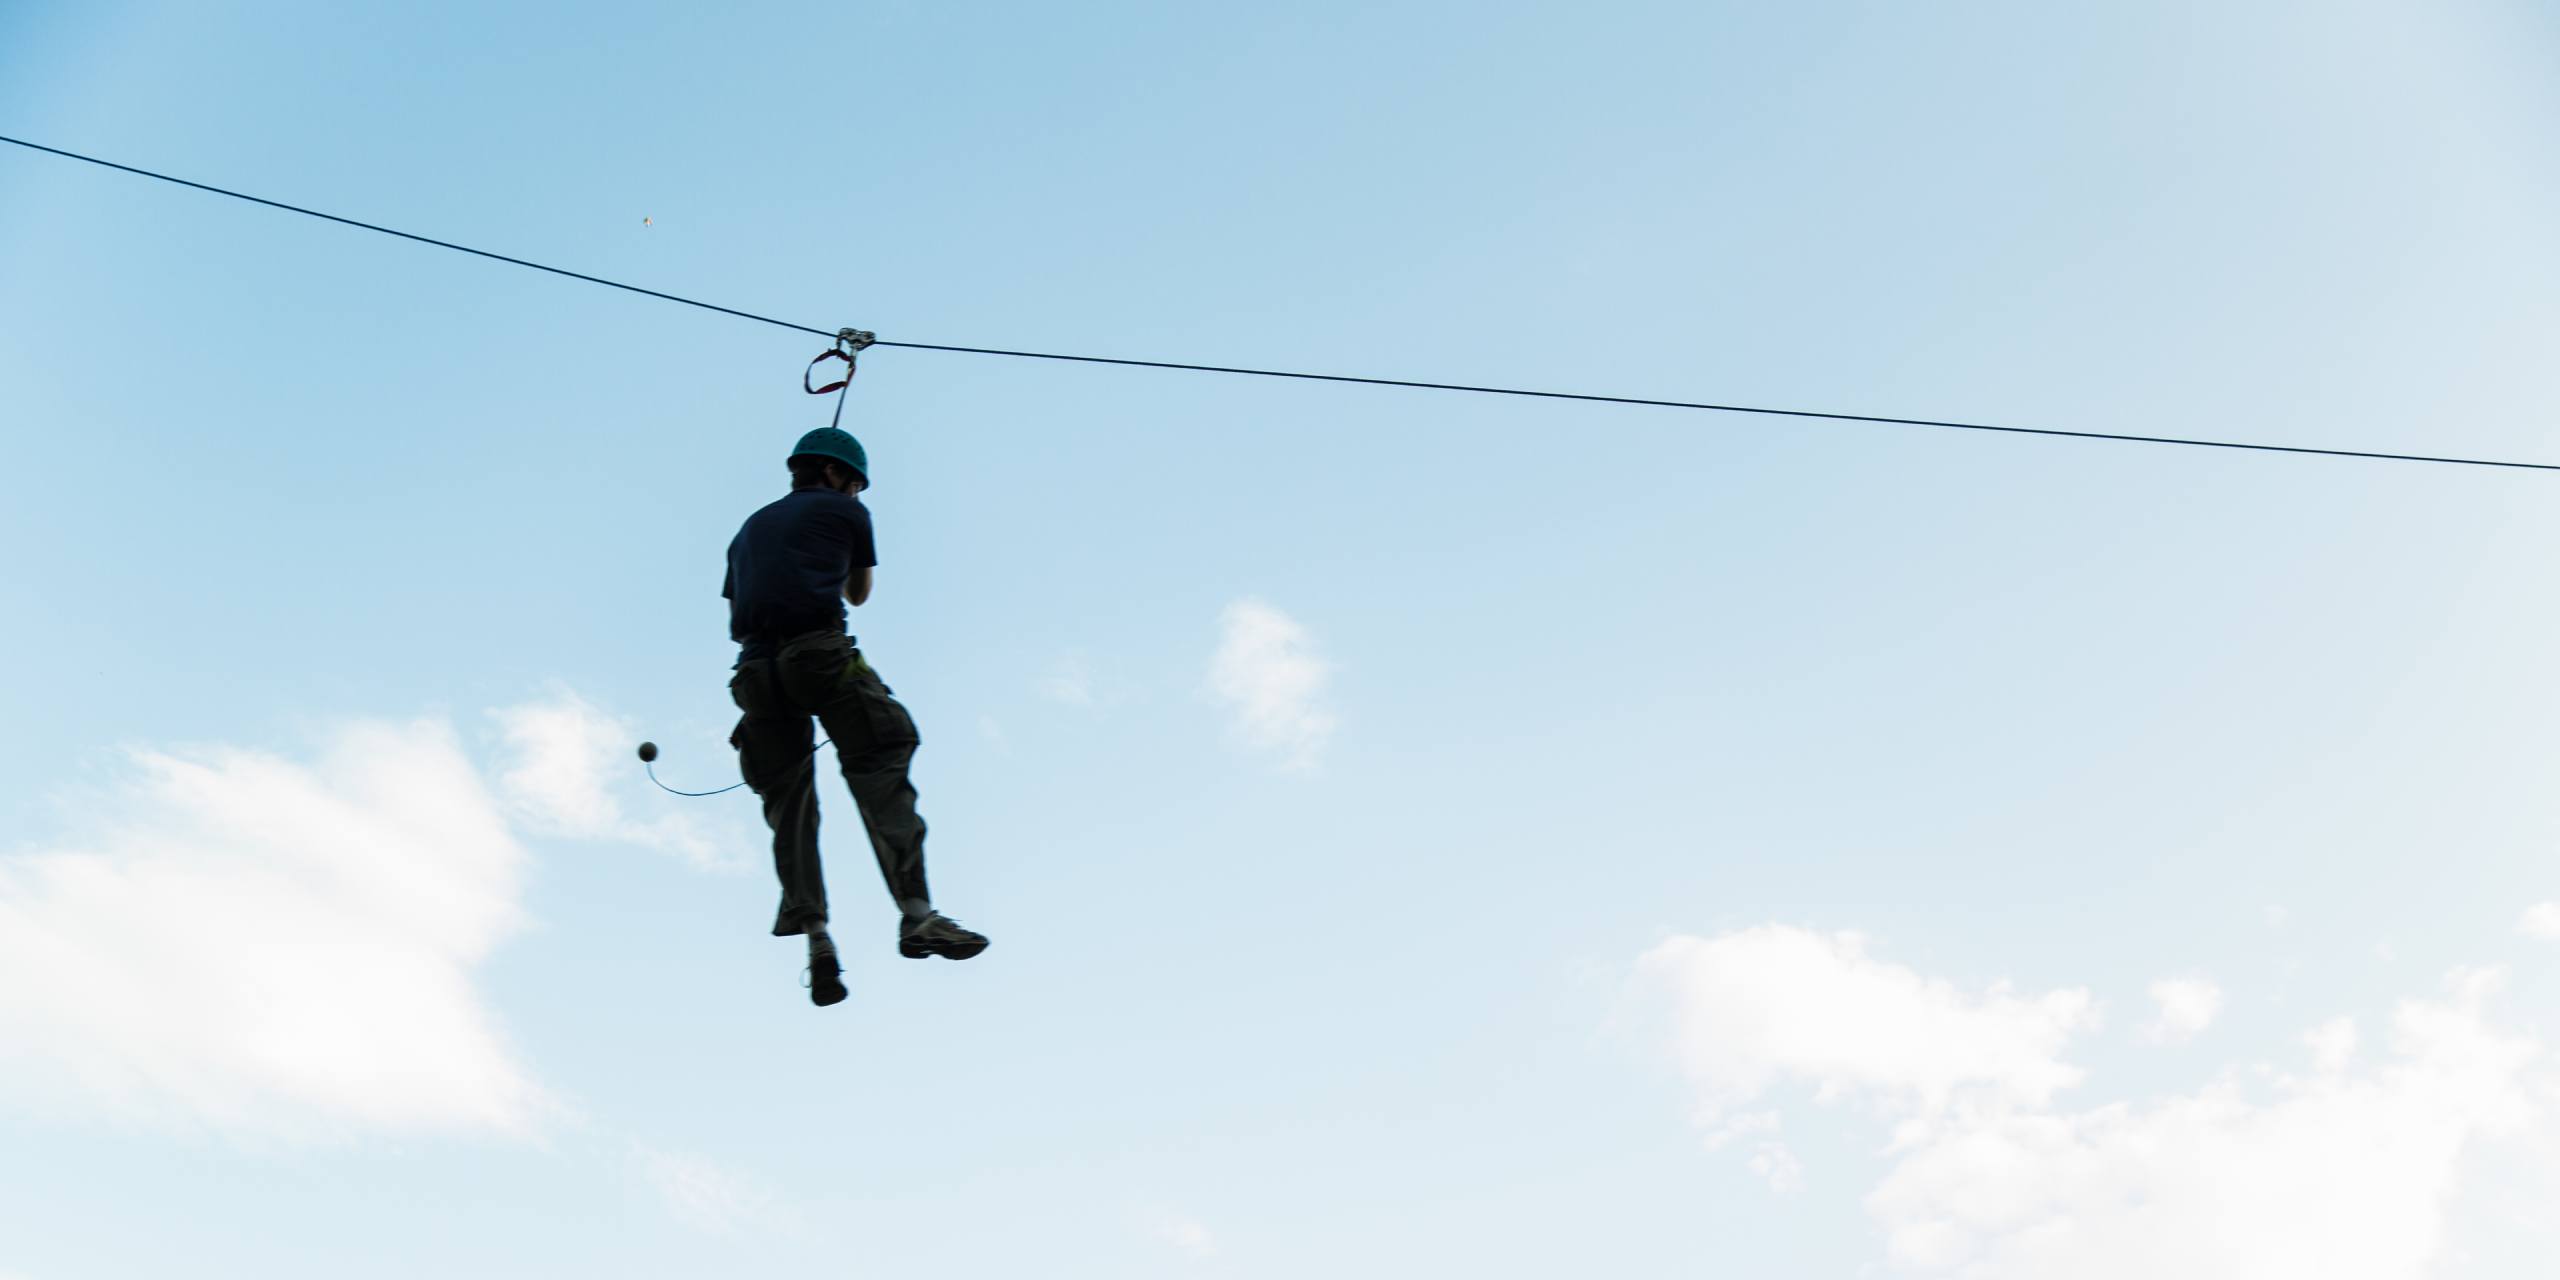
x=2188, y=441
x=653, y=777
x=651, y=766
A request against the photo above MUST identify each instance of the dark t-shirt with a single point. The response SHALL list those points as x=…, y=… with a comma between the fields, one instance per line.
x=788, y=564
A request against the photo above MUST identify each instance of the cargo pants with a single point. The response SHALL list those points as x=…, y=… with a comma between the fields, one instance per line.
x=821, y=674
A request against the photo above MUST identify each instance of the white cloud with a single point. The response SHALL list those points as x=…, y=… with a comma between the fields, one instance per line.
x=258, y=945
x=701, y=1193
x=1267, y=671
x=2339, y=1177
x=2187, y=1006
x=1774, y=1002
x=2541, y=920
x=1778, y=1167
x=2341, y=1174
x=565, y=767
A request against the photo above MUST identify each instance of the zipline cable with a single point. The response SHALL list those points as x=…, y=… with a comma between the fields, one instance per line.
x=390, y=231
x=2187, y=441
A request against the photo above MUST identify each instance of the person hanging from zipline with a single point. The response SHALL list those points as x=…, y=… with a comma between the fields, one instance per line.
x=793, y=568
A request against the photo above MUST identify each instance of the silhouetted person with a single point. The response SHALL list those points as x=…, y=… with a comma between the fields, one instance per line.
x=793, y=568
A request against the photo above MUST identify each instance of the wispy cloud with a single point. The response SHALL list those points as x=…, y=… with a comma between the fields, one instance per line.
x=565, y=766
x=1183, y=1232
x=703, y=1194
x=1778, y=1166
x=2340, y=1172
x=269, y=946
x=1070, y=682
x=1268, y=673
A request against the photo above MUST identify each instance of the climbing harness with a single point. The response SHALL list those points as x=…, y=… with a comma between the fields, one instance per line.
x=849, y=343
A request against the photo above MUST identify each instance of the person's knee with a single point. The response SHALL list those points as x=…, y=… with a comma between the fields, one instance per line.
x=881, y=764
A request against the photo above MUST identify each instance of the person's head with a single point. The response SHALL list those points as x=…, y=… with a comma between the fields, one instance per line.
x=832, y=459
x=811, y=471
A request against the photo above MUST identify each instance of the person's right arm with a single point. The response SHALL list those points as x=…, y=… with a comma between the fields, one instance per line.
x=857, y=579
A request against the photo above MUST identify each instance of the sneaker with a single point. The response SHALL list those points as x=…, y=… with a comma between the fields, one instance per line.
x=938, y=935
x=826, y=979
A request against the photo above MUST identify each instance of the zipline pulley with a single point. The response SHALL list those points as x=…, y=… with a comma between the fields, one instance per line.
x=849, y=343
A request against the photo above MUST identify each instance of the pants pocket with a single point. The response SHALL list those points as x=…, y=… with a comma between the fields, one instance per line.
x=751, y=687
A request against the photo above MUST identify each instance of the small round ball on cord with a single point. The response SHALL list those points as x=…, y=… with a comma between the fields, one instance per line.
x=648, y=752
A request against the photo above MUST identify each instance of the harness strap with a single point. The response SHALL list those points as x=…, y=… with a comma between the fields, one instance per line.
x=823, y=357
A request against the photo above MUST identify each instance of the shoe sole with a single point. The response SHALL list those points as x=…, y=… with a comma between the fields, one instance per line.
x=948, y=951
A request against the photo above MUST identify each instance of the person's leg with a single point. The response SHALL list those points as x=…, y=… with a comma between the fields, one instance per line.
x=875, y=743
x=773, y=739
x=878, y=778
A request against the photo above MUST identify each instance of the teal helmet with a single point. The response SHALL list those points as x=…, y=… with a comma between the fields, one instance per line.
x=836, y=444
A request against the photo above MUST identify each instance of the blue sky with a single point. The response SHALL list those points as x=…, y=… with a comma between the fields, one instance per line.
x=1703, y=844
